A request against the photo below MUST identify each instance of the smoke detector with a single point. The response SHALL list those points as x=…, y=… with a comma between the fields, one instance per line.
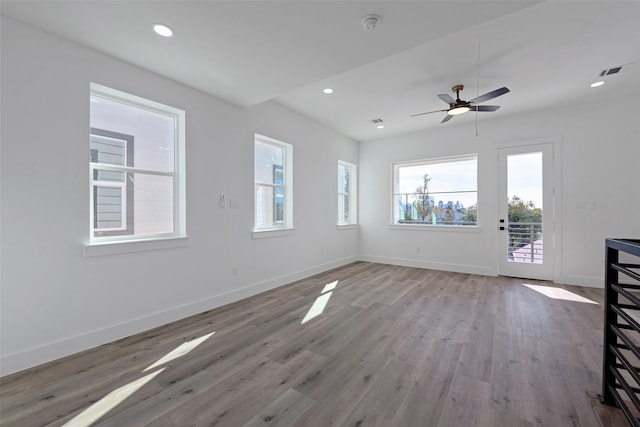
x=370, y=22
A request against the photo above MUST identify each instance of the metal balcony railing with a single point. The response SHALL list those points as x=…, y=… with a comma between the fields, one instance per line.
x=525, y=242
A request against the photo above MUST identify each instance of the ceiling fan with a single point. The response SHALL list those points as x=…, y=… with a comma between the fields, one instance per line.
x=458, y=106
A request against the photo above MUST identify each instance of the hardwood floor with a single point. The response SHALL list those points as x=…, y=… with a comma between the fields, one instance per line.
x=394, y=346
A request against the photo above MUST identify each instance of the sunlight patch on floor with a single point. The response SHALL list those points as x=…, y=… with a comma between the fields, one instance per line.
x=559, y=293
x=320, y=303
x=110, y=401
x=113, y=399
x=180, y=351
x=329, y=287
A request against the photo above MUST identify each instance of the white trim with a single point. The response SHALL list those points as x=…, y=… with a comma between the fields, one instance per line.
x=268, y=184
x=588, y=281
x=431, y=227
x=557, y=208
x=140, y=245
x=525, y=142
x=116, y=168
x=436, y=160
x=133, y=100
x=47, y=352
x=272, y=232
x=16, y=361
x=341, y=227
x=408, y=262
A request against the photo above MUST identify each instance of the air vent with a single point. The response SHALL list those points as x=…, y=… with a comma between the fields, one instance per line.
x=609, y=71
x=376, y=121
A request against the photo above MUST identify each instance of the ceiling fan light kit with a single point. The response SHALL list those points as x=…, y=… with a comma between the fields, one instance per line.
x=458, y=110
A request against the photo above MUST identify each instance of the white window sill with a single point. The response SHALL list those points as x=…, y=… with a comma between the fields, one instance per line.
x=348, y=226
x=273, y=232
x=430, y=227
x=114, y=248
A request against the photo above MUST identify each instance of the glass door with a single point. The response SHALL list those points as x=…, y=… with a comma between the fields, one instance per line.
x=525, y=222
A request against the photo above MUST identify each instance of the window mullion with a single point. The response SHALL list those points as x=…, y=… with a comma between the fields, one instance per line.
x=266, y=184
x=128, y=169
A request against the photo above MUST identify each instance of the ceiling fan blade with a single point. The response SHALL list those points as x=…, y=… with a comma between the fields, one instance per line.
x=447, y=98
x=446, y=118
x=484, y=107
x=428, y=112
x=489, y=95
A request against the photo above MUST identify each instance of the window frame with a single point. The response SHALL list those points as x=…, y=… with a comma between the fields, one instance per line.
x=394, y=220
x=352, y=194
x=286, y=187
x=178, y=174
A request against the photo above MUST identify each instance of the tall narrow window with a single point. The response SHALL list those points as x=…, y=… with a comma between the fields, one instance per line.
x=273, y=184
x=436, y=192
x=347, y=201
x=136, y=167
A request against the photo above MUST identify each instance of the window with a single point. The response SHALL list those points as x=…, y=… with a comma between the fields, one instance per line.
x=136, y=167
x=436, y=192
x=347, y=201
x=273, y=184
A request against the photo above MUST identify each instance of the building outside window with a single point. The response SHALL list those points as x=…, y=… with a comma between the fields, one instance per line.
x=137, y=187
x=113, y=212
x=436, y=192
x=273, y=184
x=347, y=196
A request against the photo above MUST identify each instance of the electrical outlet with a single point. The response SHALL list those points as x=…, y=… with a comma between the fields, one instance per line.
x=222, y=201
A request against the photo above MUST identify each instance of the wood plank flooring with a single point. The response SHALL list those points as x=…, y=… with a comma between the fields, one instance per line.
x=394, y=346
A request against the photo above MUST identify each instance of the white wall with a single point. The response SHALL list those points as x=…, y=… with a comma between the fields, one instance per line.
x=54, y=301
x=599, y=196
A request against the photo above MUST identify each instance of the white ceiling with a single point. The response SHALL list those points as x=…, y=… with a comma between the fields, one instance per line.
x=247, y=52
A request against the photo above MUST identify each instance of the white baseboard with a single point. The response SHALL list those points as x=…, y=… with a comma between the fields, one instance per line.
x=407, y=262
x=588, y=281
x=50, y=351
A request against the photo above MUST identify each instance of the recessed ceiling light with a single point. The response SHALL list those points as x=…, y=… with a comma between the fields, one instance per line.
x=380, y=126
x=328, y=90
x=162, y=30
x=596, y=84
